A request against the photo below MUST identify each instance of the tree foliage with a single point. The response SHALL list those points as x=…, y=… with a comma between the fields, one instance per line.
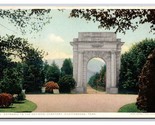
x=132, y=63
x=52, y=72
x=33, y=75
x=67, y=67
x=118, y=19
x=11, y=81
x=66, y=84
x=146, y=96
x=27, y=20
x=98, y=79
x=29, y=67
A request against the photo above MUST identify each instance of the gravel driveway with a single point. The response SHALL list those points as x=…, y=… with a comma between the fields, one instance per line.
x=80, y=102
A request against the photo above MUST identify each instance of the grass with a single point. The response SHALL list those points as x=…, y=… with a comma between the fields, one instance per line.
x=129, y=108
x=24, y=106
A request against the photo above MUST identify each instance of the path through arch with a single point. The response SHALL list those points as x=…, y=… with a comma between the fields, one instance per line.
x=96, y=76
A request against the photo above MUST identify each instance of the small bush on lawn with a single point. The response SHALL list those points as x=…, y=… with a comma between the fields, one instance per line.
x=66, y=84
x=5, y=99
x=20, y=97
x=50, y=86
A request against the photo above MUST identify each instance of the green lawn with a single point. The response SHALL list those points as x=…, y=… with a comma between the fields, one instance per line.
x=24, y=106
x=129, y=108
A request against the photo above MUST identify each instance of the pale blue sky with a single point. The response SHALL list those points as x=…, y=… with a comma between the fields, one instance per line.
x=55, y=37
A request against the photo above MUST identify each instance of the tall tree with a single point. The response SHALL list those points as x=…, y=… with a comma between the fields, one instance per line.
x=67, y=67
x=14, y=48
x=131, y=64
x=46, y=66
x=103, y=74
x=53, y=73
x=33, y=71
x=146, y=95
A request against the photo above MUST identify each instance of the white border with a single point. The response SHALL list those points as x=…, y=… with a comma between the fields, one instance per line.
x=111, y=2
x=25, y=6
x=75, y=115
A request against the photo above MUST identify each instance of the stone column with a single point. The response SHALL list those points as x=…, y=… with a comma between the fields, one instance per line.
x=118, y=64
x=85, y=61
x=113, y=68
x=80, y=88
x=113, y=88
x=75, y=63
x=108, y=71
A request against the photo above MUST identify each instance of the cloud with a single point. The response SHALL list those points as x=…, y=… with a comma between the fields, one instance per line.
x=55, y=38
x=125, y=48
x=58, y=55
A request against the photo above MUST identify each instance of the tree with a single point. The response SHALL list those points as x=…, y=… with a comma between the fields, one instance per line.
x=29, y=60
x=66, y=84
x=11, y=81
x=103, y=75
x=53, y=73
x=146, y=96
x=10, y=71
x=94, y=80
x=98, y=79
x=45, y=69
x=118, y=19
x=67, y=67
x=131, y=64
x=33, y=71
x=27, y=20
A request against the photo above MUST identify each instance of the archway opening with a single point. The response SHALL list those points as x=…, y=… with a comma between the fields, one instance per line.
x=96, y=76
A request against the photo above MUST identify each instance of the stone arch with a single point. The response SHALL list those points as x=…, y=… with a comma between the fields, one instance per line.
x=101, y=45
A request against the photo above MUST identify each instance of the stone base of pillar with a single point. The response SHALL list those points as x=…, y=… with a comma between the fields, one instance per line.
x=79, y=90
x=112, y=90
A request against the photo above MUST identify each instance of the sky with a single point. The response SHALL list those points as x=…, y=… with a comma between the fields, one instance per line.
x=55, y=37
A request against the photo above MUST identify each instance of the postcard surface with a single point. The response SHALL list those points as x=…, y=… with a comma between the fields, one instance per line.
x=77, y=62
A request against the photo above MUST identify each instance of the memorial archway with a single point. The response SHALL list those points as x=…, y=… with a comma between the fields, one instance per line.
x=104, y=45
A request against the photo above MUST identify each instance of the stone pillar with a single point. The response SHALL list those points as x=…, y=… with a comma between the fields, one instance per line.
x=113, y=88
x=85, y=73
x=80, y=88
x=118, y=65
x=113, y=69
x=75, y=63
x=108, y=72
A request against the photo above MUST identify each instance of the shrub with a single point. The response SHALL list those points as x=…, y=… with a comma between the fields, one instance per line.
x=50, y=86
x=66, y=84
x=21, y=96
x=146, y=97
x=5, y=99
x=11, y=81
